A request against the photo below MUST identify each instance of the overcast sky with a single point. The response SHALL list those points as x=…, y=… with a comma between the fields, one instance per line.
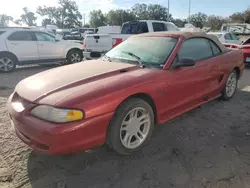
x=178, y=8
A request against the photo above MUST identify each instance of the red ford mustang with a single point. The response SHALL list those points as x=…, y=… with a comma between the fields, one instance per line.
x=117, y=99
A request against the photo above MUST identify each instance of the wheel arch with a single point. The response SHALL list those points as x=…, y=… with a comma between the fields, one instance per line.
x=74, y=49
x=147, y=98
x=237, y=69
x=11, y=54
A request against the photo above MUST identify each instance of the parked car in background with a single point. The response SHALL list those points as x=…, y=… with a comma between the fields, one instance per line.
x=83, y=31
x=30, y=46
x=227, y=37
x=117, y=99
x=104, y=42
x=62, y=33
x=245, y=49
x=237, y=28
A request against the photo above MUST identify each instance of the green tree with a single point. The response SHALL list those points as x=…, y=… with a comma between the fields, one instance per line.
x=5, y=19
x=179, y=22
x=66, y=15
x=215, y=22
x=47, y=21
x=117, y=17
x=97, y=18
x=239, y=17
x=151, y=12
x=86, y=26
x=198, y=20
x=28, y=17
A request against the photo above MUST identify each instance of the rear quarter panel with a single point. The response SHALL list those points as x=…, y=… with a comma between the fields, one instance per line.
x=234, y=58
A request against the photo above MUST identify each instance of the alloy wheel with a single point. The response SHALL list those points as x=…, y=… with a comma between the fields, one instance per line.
x=75, y=57
x=231, y=84
x=6, y=64
x=135, y=128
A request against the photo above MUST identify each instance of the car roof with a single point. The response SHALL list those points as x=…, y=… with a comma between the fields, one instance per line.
x=184, y=34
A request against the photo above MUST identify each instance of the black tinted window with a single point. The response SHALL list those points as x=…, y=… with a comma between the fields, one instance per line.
x=125, y=28
x=159, y=26
x=1, y=32
x=135, y=28
x=215, y=48
x=196, y=49
x=21, y=36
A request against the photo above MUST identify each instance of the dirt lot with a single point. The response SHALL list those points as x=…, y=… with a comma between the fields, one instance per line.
x=205, y=148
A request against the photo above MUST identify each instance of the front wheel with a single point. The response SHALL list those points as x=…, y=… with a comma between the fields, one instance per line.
x=74, y=56
x=231, y=86
x=131, y=126
x=7, y=63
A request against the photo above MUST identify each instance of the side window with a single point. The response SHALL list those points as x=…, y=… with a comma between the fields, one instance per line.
x=21, y=36
x=143, y=27
x=159, y=26
x=135, y=28
x=196, y=49
x=228, y=36
x=44, y=37
x=215, y=48
x=125, y=28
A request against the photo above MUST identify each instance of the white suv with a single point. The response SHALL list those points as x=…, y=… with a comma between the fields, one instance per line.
x=29, y=46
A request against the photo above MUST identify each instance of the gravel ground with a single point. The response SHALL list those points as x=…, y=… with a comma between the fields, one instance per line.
x=205, y=148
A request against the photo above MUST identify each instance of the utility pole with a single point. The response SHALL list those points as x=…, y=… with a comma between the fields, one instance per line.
x=83, y=18
x=168, y=11
x=189, y=7
x=122, y=16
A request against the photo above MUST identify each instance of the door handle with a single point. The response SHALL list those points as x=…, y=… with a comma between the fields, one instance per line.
x=41, y=45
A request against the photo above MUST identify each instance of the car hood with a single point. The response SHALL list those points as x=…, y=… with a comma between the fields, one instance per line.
x=64, y=80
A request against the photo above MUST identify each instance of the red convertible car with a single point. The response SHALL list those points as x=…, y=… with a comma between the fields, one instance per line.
x=118, y=98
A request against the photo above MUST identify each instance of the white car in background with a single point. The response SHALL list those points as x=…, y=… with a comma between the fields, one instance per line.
x=29, y=46
x=227, y=37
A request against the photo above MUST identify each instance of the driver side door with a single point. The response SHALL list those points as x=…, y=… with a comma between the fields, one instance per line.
x=49, y=48
x=190, y=86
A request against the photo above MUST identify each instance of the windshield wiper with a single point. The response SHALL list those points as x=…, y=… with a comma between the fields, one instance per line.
x=136, y=57
x=107, y=57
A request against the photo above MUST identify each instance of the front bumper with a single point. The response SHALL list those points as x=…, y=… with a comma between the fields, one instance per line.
x=51, y=138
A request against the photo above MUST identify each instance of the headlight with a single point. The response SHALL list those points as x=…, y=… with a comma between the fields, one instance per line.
x=57, y=115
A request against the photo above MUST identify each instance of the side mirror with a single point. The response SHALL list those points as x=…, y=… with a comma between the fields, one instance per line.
x=95, y=54
x=185, y=62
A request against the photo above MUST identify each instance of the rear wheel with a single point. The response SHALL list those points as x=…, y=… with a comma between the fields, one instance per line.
x=7, y=63
x=74, y=56
x=131, y=126
x=231, y=86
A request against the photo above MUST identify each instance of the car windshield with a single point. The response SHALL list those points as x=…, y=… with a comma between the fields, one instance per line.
x=234, y=36
x=150, y=51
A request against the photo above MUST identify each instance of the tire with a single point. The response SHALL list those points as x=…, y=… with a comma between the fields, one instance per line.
x=232, y=81
x=74, y=56
x=7, y=63
x=135, y=132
